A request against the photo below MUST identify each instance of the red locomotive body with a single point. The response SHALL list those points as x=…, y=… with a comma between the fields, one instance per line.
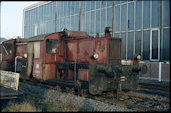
x=72, y=58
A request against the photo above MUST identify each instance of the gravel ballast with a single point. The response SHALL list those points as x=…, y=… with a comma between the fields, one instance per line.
x=83, y=104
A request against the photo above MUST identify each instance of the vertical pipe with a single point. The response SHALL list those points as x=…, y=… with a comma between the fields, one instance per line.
x=160, y=66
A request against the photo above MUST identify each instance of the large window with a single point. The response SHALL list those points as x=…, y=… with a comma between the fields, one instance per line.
x=52, y=46
x=138, y=20
x=7, y=49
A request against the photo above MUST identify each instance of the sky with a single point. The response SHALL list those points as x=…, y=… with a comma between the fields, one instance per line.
x=12, y=17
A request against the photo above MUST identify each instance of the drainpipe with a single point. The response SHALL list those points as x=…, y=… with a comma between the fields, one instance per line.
x=16, y=62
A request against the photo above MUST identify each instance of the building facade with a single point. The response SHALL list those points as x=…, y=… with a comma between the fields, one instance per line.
x=143, y=25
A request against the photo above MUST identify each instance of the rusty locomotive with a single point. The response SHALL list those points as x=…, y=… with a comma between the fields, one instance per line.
x=72, y=58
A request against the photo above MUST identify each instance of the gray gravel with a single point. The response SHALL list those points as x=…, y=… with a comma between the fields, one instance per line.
x=83, y=104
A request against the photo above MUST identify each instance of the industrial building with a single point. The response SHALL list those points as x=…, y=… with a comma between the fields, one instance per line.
x=143, y=25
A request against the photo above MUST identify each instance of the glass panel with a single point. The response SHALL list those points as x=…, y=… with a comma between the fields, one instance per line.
x=52, y=46
x=116, y=2
x=103, y=20
x=88, y=5
x=98, y=4
x=103, y=3
x=117, y=19
x=72, y=22
x=76, y=7
x=92, y=22
x=138, y=20
x=146, y=45
x=69, y=8
x=83, y=22
x=61, y=9
x=123, y=36
x=130, y=45
x=76, y=22
x=109, y=17
x=87, y=22
x=123, y=17
x=92, y=5
x=154, y=44
x=138, y=42
x=117, y=35
x=155, y=13
x=97, y=21
x=82, y=6
x=166, y=13
x=72, y=7
x=58, y=9
x=131, y=16
x=166, y=44
x=109, y=3
x=146, y=14
x=65, y=8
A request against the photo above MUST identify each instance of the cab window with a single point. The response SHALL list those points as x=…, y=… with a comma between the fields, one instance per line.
x=52, y=46
x=7, y=48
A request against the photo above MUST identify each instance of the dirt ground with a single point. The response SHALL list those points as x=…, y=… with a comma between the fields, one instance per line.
x=34, y=103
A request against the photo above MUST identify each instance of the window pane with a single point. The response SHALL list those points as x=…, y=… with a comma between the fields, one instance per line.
x=72, y=22
x=116, y=2
x=72, y=7
x=82, y=6
x=88, y=5
x=154, y=44
x=130, y=45
x=103, y=3
x=146, y=45
x=92, y=5
x=117, y=35
x=65, y=8
x=123, y=36
x=166, y=44
x=61, y=9
x=76, y=22
x=109, y=17
x=87, y=22
x=103, y=20
x=138, y=42
x=155, y=13
x=92, y=22
x=138, y=15
x=98, y=4
x=123, y=17
x=166, y=13
x=117, y=19
x=131, y=16
x=58, y=9
x=69, y=8
x=76, y=5
x=146, y=14
x=97, y=21
x=83, y=22
x=109, y=3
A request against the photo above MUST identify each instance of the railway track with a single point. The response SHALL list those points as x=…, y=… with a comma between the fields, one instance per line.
x=151, y=86
x=126, y=100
